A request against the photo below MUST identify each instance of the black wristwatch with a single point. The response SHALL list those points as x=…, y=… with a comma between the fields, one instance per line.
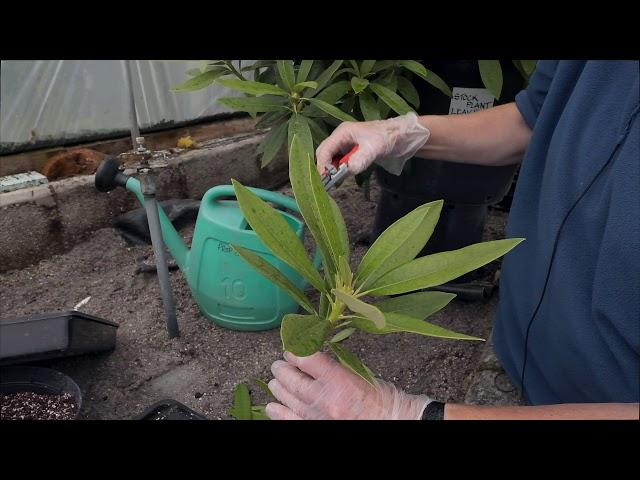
x=434, y=411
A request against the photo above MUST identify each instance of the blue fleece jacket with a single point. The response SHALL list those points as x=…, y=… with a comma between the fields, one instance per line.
x=569, y=313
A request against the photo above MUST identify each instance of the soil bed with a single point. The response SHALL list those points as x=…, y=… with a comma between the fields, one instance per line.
x=201, y=368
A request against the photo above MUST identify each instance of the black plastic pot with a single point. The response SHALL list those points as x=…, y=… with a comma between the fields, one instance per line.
x=43, y=381
x=54, y=335
x=466, y=189
x=170, y=410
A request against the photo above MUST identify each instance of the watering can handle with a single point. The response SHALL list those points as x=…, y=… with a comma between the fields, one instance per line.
x=279, y=199
x=266, y=195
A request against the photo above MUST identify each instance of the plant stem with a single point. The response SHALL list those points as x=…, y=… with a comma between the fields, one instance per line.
x=336, y=311
x=233, y=70
x=344, y=324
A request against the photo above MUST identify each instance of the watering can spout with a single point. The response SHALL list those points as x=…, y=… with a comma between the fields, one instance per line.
x=170, y=235
x=108, y=176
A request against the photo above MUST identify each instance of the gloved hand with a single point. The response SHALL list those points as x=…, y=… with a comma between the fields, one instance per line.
x=317, y=387
x=389, y=143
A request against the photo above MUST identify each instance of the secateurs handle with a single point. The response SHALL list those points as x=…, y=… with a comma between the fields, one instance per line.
x=337, y=161
x=338, y=170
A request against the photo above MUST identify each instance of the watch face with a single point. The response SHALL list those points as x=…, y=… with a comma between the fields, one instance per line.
x=434, y=411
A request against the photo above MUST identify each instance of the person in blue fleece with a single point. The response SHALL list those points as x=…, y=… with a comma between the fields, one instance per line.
x=568, y=325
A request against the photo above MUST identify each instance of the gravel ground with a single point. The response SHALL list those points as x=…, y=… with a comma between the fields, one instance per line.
x=202, y=366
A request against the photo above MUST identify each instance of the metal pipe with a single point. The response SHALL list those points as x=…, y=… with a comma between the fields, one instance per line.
x=133, y=117
x=153, y=217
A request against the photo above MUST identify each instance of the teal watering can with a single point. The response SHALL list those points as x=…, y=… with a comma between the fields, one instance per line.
x=227, y=289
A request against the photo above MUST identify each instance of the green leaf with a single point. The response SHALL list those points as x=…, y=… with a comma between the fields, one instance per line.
x=491, y=74
x=318, y=130
x=368, y=106
x=252, y=88
x=300, y=86
x=359, y=84
x=397, y=322
x=528, y=66
x=389, y=80
x=353, y=363
x=303, y=71
x=344, y=271
x=206, y=65
x=331, y=110
x=325, y=77
x=273, y=143
x=348, y=104
x=299, y=125
x=200, y=81
x=331, y=95
x=427, y=75
x=408, y=91
x=263, y=385
x=392, y=99
x=193, y=72
x=383, y=65
x=440, y=268
x=259, y=412
x=285, y=70
x=334, y=92
x=399, y=243
x=525, y=67
x=259, y=64
x=418, y=305
x=324, y=221
x=342, y=335
x=303, y=335
x=355, y=66
x=277, y=235
x=241, y=403
x=268, y=75
x=272, y=273
x=438, y=82
x=383, y=108
x=358, y=306
x=346, y=70
x=271, y=118
x=253, y=104
x=341, y=229
x=366, y=66
x=415, y=67
x=333, y=122
x=323, y=308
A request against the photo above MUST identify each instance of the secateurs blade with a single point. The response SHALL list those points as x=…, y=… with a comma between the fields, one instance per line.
x=336, y=173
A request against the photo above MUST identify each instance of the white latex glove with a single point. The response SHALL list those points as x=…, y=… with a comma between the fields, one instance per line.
x=319, y=388
x=389, y=143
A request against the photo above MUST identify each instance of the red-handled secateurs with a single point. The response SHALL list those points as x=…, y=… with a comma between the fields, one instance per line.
x=335, y=174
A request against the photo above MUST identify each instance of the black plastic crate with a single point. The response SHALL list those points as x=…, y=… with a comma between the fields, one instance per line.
x=53, y=335
x=170, y=410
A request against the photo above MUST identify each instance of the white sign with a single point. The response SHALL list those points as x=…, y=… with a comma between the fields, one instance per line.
x=466, y=100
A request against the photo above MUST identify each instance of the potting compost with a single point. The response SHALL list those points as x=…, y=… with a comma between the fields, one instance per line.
x=34, y=406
